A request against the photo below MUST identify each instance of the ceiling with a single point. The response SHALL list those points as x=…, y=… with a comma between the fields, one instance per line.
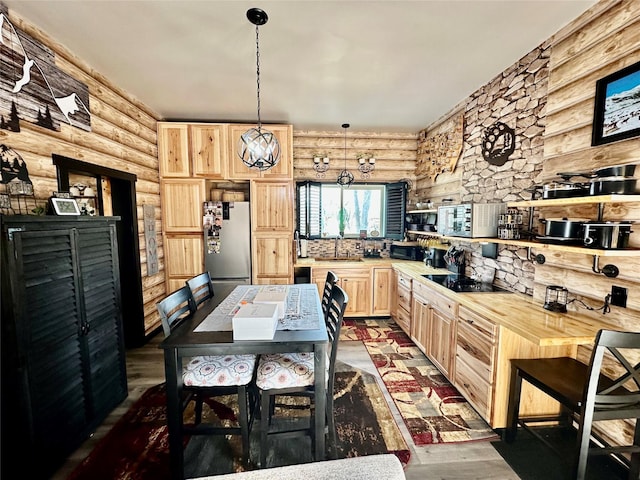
x=393, y=66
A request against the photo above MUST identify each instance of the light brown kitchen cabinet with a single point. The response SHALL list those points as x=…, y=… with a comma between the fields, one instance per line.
x=420, y=317
x=356, y=281
x=173, y=150
x=282, y=170
x=272, y=206
x=182, y=201
x=476, y=338
x=394, y=294
x=403, y=287
x=184, y=258
x=209, y=150
x=272, y=231
x=382, y=289
x=443, y=313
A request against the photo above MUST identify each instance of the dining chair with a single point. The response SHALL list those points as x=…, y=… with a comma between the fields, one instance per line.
x=208, y=376
x=292, y=374
x=587, y=394
x=329, y=282
x=201, y=288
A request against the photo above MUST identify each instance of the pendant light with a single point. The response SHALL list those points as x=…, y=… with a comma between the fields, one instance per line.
x=258, y=148
x=345, y=179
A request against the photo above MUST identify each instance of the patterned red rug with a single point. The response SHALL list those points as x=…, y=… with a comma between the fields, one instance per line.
x=432, y=408
x=136, y=448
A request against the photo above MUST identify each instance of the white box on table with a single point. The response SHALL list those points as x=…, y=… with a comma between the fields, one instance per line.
x=255, y=321
x=277, y=298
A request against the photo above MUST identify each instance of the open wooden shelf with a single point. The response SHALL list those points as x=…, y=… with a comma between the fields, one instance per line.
x=614, y=198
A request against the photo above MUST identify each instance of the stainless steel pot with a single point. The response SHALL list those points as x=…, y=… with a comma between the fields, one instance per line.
x=616, y=171
x=564, y=190
x=563, y=228
x=607, y=235
x=610, y=185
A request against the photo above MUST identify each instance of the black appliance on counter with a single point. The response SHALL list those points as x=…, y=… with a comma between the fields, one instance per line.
x=464, y=284
x=406, y=252
x=434, y=257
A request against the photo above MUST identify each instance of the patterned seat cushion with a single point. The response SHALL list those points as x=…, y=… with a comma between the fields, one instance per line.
x=219, y=370
x=285, y=370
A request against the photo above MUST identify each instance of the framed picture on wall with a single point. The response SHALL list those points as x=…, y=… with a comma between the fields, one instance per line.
x=65, y=206
x=617, y=106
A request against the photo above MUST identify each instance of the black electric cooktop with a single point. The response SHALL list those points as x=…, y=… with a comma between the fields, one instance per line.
x=464, y=284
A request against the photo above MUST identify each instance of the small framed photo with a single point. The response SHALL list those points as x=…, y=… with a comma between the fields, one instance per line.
x=617, y=106
x=65, y=206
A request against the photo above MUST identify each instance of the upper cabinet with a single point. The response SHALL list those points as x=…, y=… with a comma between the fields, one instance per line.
x=209, y=150
x=282, y=170
x=173, y=149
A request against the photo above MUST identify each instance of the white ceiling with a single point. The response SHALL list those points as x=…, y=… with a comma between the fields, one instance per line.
x=392, y=65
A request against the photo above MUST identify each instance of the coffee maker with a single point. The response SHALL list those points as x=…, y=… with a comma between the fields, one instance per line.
x=434, y=257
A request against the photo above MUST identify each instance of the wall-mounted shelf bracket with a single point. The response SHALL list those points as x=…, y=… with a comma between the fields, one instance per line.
x=539, y=258
x=608, y=270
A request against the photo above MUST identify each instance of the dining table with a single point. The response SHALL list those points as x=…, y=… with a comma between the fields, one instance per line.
x=209, y=331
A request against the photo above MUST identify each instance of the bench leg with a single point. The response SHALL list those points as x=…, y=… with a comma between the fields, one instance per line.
x=513, y=408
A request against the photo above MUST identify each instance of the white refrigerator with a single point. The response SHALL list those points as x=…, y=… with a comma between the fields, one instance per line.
x=228, y=245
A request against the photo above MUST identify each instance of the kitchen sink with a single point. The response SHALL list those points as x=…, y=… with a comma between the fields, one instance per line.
x=338, y=259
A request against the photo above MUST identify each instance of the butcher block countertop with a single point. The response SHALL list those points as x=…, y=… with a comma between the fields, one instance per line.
x=519, y=313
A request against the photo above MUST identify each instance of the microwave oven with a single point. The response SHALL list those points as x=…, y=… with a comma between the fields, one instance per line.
x=470, y=219
x=406, y=252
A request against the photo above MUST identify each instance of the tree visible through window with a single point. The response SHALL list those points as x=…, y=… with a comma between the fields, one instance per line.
x=327, y=210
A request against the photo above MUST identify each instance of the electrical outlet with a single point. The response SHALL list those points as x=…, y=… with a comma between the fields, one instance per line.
x=619, y=296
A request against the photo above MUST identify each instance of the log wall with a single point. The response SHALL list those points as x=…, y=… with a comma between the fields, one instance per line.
x=122, y=137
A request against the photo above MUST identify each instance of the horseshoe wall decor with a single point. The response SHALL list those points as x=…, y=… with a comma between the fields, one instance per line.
x=498, y=143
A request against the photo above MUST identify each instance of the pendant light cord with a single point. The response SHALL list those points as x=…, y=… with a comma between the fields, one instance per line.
x=258, y=75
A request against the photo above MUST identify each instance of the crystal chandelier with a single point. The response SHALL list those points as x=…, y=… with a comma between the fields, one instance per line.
x=345, y=179
x=258, y=148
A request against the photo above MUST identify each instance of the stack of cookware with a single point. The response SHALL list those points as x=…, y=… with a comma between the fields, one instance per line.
x=592, y=234
x=617, y=179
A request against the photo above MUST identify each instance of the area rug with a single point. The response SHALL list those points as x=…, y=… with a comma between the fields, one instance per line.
x=136, y=447
x=432, y=408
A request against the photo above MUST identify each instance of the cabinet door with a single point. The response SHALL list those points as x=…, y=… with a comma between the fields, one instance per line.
x=382, y=286
x=420, y=311
x=439, y=341
x=52, y=409
x=182, y=205
x=99, y=275
x=173, y=149
x=357, y=284
x=282, y=170
x=394, y=295
x=272, y=259
x=272, y=206
x=209, y=150
x=183, y=258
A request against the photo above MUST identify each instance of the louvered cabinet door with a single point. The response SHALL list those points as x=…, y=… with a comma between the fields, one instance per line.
x=47, y=325
x=98, y=268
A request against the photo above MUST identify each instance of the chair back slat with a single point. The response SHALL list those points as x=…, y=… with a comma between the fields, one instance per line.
x=174, y=308
x=329, y=282
x=335, y=315
x=201, y=288
x=622, y=391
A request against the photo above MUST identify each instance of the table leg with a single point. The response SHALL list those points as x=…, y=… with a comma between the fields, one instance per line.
x=320, y=365
x=174, y=411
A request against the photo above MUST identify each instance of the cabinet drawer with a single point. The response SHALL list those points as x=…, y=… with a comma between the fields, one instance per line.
x=422, y=291
x=446, y=305
x=475, y=350
x=404, y=280
x=481, y=324
x=474, y=388
x=403, y=319
x=404, y=297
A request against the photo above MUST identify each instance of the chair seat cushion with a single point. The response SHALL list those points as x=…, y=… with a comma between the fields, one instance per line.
x=285, y=370
x=219, y=370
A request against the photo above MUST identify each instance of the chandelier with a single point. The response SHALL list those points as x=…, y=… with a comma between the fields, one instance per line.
x=345, y=179
x=258, y=148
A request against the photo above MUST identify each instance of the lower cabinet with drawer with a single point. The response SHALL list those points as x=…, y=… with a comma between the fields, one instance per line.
x=476, y=338
x=403, y=312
